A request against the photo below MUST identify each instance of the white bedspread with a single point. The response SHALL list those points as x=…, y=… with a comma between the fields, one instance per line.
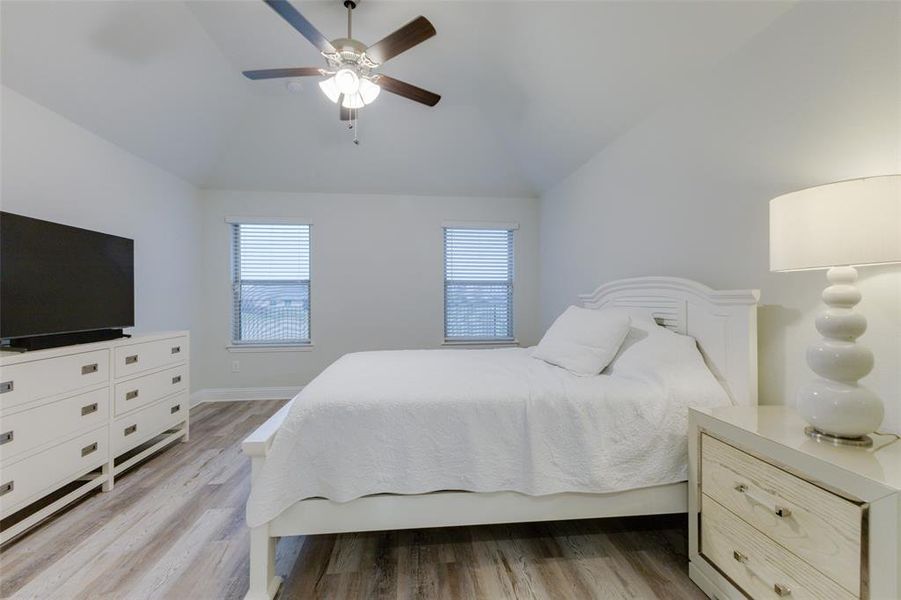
x=416, y=421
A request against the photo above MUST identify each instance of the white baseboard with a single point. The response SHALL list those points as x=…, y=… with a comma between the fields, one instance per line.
x=235, y=394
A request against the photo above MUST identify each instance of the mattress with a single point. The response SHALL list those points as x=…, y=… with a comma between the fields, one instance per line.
x=417, y=421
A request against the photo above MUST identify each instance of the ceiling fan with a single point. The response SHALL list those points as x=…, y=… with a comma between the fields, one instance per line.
x=352, y=77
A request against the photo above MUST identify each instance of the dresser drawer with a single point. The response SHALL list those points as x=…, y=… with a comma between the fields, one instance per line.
x=138, y=427
x=35, y=476
x=135, y=358
x=822, y=528
x=760, y=566
x=29, y=381
x=30, y=429
x=144, y=390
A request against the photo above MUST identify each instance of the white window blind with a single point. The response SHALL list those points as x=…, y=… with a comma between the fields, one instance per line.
x=271, y=283
x=478, y=284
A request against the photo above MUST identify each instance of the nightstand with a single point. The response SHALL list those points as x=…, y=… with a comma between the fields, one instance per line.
x=775, y=514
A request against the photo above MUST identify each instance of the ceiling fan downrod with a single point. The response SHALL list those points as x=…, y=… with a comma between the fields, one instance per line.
x=350, y=5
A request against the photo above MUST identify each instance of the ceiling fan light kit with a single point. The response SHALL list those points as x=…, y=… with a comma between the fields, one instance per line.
x=352, y=80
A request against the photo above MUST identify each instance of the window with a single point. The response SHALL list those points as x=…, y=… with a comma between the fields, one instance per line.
x=271, y=283
x=478, y=284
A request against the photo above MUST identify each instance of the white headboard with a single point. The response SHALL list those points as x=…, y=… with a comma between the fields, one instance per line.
x=724, y=323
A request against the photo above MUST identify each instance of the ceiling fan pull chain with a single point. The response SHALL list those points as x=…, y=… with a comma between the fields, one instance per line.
x=356, y=127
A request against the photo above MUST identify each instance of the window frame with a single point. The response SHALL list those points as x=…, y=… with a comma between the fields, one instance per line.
x=274, y=345
x=509, y=340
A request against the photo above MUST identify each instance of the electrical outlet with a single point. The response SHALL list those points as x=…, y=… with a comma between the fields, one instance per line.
x=236, y=366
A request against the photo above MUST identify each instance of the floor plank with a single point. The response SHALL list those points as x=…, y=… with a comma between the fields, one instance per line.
x=173, y=528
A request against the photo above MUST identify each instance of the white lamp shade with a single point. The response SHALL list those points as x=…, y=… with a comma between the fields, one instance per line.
x=855, y=222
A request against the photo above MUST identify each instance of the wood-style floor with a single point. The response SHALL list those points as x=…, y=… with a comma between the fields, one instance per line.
x=174, y=528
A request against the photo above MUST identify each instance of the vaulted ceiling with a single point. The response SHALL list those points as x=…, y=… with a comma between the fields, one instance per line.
x=530, y=90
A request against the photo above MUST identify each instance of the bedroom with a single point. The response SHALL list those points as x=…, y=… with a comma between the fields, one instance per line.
x=642, y=146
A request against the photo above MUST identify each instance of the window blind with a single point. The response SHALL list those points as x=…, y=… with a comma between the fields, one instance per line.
x=271, y=283
x=478, y=284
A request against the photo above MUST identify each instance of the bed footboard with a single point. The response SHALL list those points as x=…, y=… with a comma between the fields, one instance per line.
x=264, y=583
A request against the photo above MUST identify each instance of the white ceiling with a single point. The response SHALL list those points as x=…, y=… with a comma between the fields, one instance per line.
x=531, y=90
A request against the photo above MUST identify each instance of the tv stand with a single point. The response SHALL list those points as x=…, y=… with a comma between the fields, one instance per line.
x=43, y=342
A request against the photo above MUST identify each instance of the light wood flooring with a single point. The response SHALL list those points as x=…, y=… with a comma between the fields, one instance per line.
x=174, y=528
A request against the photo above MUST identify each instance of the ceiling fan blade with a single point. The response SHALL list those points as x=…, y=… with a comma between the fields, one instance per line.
x=289, y=72
x=343, y=113
x=300, y=23
x=402, y=88
x=415, y=32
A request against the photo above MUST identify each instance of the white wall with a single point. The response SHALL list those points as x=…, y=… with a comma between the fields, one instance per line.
x=815, y=98
x=53, y=169
x=377, y=278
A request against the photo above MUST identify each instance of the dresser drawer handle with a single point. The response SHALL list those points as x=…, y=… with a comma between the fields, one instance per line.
x=6, y=386
x=88, y=369
x=131, y=395
x=130, y=360
x=176, y=349
x=7, y=487
x=89, y=449
x=779, y=588
x=175, y=409
x=90, y=408
x=777, y=509
x=176, y=379
x=6, y=437
x=131, y=429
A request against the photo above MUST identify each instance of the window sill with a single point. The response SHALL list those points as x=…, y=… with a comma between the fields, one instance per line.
x=481, y=343
x=270, y=347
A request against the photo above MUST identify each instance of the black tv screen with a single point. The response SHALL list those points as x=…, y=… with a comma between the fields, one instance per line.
x=60, y=279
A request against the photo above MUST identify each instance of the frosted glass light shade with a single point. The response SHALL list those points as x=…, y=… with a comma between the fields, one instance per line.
x=353, y=101
x=854, y=223
x=330, y=89
x=369, y=91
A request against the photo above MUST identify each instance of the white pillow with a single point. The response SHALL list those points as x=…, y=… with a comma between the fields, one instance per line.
x=583, y=341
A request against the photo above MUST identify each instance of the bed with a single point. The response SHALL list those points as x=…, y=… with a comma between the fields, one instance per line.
x=527, y=456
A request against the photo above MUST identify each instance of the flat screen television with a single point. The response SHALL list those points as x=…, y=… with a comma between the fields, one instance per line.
x=62, y=284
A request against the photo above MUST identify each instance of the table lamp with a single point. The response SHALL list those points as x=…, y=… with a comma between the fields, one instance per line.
x=838, y=226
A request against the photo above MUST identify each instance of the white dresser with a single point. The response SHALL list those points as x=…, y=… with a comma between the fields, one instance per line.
x=71, y=418
x=775, y=514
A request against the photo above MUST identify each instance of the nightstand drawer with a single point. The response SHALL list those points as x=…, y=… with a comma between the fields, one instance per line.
x=761, y=567
x=821, y=528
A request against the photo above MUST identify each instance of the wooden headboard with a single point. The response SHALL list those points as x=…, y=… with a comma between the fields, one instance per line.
x=724, y=323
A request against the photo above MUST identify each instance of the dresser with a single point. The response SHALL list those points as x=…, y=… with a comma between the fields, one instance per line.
x=72, y=418
x=774, y=514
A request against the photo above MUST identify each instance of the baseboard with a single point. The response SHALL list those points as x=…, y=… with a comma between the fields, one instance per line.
x=235, y=394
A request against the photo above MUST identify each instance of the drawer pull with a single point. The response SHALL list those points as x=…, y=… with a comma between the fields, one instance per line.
x=88, y=449
x=176, y=349
x=176, y=379
x=88, y=369
x=779, y=588
x=7, y=487
x=130, y=360
x=90, y=408
x=6, y=437
x=131, y=429
x=175, y=409
x=131, y=395
x=777, y=509
x=6, y=386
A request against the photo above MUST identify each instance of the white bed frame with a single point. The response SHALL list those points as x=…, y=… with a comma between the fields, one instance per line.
x=723, y=322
